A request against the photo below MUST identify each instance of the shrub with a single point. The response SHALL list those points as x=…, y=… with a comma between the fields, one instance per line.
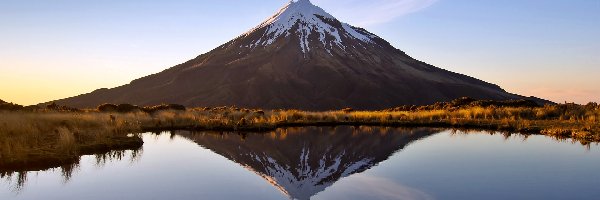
x=55, y=107
x=127, y=108
x=32, y=108
x=460, y=102
x=153, y=109
x=592, y=106
x=108, y=107
x=10, y=106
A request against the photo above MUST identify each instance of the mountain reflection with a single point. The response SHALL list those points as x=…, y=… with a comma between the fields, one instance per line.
x=301, y=162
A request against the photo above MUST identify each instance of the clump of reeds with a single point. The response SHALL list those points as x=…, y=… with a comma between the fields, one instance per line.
x=42, y=139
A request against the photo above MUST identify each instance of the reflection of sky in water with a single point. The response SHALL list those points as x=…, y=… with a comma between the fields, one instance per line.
x=442, y=166
x=480, y=166
x=363, y=186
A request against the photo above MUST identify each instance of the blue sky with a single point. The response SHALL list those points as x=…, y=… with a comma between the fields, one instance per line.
x=61, y=48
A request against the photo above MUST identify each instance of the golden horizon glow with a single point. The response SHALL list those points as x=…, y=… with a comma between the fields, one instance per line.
x=52, y=50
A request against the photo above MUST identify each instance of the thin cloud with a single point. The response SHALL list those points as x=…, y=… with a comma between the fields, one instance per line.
x=365, y=13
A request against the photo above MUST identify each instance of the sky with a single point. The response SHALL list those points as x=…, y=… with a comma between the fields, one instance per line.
x=56, y=49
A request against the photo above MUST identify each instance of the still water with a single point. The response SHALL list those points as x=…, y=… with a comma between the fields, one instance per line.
x=326, y=163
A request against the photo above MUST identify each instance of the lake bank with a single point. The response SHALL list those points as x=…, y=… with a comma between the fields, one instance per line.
x=51, y=138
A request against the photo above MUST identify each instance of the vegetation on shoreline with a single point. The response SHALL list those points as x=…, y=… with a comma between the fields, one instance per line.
x=38, y=140
x=55, y=135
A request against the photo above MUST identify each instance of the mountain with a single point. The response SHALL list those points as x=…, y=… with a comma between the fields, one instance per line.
x=303, y=162
x=302, y=58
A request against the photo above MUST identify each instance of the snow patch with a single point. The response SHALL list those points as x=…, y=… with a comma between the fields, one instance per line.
x=309, y=19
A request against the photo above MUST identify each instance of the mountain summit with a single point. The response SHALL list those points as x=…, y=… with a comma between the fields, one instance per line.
x=303, y=19
x=303, y=58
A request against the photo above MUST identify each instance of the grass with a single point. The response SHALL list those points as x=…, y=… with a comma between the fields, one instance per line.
x=39, y=140
x=565, y=120
x=51, y=137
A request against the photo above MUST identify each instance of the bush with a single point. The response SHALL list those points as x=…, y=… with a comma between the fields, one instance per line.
x=55, y=107
x=347, y=110
x=10, y=106
x=15, y=107
x=32, y=108
x=126, y=108
x=467, y=102
x=592, y=106
x=107, y=107
x=153, y=109
x=460, y=102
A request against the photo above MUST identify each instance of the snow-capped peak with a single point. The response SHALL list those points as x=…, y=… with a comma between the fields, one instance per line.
x=302, y=18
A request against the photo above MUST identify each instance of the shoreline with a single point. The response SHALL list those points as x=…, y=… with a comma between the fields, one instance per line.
x=32, y=140
x=488, y=125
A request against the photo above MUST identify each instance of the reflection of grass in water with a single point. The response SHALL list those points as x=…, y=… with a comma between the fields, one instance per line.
x=507, y=135
x=102, y=159
x=17, y=180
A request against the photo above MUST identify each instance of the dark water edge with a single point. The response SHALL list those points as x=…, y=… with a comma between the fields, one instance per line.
x=48, y=161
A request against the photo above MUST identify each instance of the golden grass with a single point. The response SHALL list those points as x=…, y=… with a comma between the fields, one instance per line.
x=52, y=136
x=42, y=139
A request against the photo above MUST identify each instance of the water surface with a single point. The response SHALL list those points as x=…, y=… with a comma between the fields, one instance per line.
x=326, y=163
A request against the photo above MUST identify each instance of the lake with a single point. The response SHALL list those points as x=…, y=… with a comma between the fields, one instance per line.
x=325, y=163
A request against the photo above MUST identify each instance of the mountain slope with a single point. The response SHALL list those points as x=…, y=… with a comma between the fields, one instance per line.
x=301, y=58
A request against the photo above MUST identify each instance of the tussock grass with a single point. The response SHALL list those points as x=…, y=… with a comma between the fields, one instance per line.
x=37, y=140
x=581, y=122
x=58, y=136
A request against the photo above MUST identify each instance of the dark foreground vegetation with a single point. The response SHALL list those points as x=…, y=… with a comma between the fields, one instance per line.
x=33, y=138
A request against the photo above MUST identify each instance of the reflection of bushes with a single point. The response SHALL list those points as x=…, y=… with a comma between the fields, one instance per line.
x=18, y=179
